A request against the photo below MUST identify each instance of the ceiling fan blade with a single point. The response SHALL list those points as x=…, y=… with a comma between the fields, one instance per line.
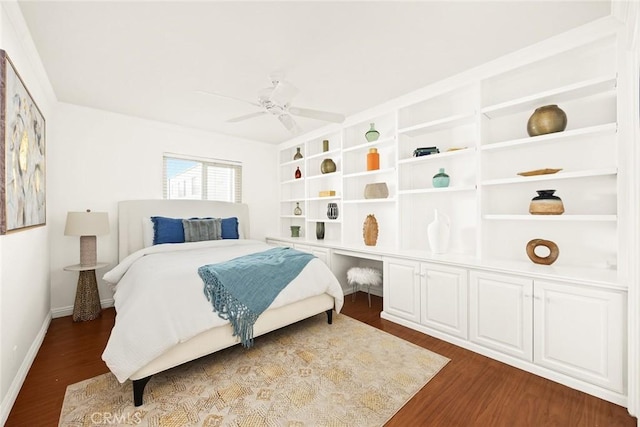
x=246, y=116
x=219, y=95
x=289, y=123
x=317, y=114
x=283, y=93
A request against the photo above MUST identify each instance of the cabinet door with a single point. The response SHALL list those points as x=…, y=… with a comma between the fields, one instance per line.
x=321, y=253
x=580, y=332
x=401, y=288
x=443, y=294
x=500, y=310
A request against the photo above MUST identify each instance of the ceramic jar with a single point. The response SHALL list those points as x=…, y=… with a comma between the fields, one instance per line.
x=441, y=179
x=547, y=119
x=332, y=210
x=319, y=230
x=438, y=233
x=297, y=210
x=295, y=231
x=298, y=154
x=298, y=173
x=545, y=203
x=372, y=134
x=376, y=190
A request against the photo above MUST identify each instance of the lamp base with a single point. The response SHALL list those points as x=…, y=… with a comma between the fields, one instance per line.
x=88, y=251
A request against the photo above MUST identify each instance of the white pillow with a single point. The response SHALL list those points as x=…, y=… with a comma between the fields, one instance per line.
x=147, y=232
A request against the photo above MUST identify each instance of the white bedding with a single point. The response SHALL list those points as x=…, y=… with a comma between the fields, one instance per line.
x=160, y=302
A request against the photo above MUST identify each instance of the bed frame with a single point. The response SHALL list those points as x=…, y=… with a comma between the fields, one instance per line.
x=130, y=215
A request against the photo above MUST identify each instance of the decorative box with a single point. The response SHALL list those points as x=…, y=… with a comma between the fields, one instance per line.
x=425, y=151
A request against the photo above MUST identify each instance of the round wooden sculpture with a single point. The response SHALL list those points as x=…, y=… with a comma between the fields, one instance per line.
x=549, y=259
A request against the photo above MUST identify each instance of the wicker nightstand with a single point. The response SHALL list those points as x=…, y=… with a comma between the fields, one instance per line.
x=87, y=305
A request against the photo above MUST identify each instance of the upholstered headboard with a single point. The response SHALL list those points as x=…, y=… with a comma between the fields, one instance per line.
x=131, y=213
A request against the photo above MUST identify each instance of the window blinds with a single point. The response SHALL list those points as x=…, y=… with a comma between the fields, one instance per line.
x=201, y=179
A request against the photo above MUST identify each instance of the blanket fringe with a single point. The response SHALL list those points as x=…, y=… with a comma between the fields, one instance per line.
x=229, y=308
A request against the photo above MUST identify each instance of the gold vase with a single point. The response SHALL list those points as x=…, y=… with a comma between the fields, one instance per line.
x=547, y=119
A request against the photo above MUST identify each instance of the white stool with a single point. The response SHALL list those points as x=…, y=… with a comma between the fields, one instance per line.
x=365, y=276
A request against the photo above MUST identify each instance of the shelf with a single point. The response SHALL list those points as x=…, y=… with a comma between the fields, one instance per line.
x=553, y=137
x=323, y=175
x=438, y=190
x=380, y=141
x=550, y=177
x=291, y=181
x=293, y=162
x=554, y=96
x=313, y=199
x=563, y=217
x=331, y=153
x=358, y=201
x=292, y=216
x=327, y=220
x=365, y=173
x=299, y=199
x=439, y=156
x=436, y=125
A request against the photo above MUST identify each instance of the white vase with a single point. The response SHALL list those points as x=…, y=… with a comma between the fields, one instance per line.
x=438, y=233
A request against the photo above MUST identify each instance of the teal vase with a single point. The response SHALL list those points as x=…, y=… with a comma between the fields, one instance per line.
x=372, y=134
x=441, y=179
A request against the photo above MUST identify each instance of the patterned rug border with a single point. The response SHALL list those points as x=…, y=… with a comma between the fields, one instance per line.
x=319, y=362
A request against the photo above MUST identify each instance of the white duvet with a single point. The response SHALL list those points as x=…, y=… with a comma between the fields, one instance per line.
x=160, y=302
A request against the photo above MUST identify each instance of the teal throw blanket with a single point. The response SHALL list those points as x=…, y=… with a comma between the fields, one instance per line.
x=242, y=288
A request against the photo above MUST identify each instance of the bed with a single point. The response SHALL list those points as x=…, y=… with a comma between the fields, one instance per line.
x=163, y=317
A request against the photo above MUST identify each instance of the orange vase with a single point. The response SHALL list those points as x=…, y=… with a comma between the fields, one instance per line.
x=373, y=159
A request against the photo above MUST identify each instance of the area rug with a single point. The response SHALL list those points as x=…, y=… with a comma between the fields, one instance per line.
x=307, y=374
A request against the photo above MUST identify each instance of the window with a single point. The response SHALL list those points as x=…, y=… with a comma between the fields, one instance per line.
x=201, y=179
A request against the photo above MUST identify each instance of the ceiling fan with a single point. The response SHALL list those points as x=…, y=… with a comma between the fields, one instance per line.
x=276, y=100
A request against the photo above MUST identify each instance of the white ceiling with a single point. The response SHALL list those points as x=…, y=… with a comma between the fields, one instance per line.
x=148, y=59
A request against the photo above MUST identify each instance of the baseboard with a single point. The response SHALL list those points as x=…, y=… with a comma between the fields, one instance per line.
x=18, y=380
x=68, y=311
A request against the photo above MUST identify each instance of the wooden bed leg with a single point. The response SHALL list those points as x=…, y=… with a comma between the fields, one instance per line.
x=138, y=389
x=329, y=316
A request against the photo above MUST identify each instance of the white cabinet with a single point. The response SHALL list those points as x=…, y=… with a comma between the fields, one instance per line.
x=401, y=288
x=443, y=296
x=321, y=253
x=425, y=293
x=575, y=330
x=581, y=332
x=501, y=313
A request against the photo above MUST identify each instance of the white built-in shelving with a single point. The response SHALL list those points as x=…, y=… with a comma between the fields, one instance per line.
x=479, y=127
x=478, y=122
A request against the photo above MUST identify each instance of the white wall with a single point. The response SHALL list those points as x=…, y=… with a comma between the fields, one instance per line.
x=96, y=159
x=24, y=255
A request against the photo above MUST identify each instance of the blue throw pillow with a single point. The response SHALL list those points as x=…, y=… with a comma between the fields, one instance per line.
x=167, y=230
x=230, y=228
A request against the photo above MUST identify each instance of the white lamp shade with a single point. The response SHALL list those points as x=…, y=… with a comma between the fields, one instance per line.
x=87, y=224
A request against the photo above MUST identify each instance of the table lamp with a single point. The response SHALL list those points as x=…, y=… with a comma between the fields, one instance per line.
x=87, y=225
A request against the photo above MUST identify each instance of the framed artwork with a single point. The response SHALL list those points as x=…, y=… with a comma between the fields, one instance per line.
x=22, y=153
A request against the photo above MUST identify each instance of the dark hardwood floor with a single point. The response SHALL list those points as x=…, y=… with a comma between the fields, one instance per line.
x=472, y=390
